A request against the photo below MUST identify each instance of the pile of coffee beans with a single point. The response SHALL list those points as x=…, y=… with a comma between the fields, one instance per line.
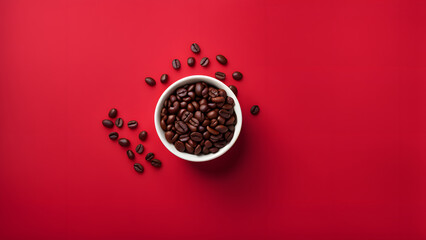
x=124, y=142
x=198, y=118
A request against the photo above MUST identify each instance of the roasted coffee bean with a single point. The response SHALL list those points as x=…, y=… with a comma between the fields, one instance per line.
x=150, y=81
x=237, y=75
x=171, y=119
x=231, y=128
x=139, y=148
x=179, y=146
x=186, y=116
x=212, y=114
x=230, y=121
x=191, y=61
x=156, y=163
x=218, y=100
x=220, y=144
x=175, y=138
x=205, y=123
x=175, y=108
x=197, y=150
x=192, y=143
x=119, y=122
x=184, y=137
x=130, y=154
x=149, y=156
x=206, y=135
x=181, y=92
x=225, y=113
x=195, y=48
x=211, y=105
x=107, y=123
x=234, y=89
x=138, y=167
x=189, y=148
x=176, y=64
x=199, y=116
x=221, y=59
x=132, y=124
x=192, y=128
x=112, y=113
x=124, y=142
x=190, y=107
x=194, y=122
x=222, y=93
x=215, y=138
x=214, y=149
x=113, y=136
x=221, y=128
x=214, y=123
x=196, y=136
x=220, y=75
x=169, y=135
x=221, y=120
x=164, y=78
x=204, y=108
x=143, y=135
x=228, y=136
x=163, y=124
x=204, y=62
x=254, y=110
x=212, y=131
x=230, y=100
x=201, y=129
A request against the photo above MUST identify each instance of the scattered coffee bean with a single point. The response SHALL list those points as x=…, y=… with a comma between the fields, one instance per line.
x=254, y=110
x=195, y=48
x=234, y=89
x=124, y=142
x=139, y=148
x=221, y=59
x=149, y=157
x=191, y=61
x=113, y=136
x=107, y=123
x=176, y=64
x=112, y=113
x=138, y=167
x=150, y=81
x=220, y=75
x=143, y=135
x=164, y=78
x=119, y=122
x=237, y=75
x=132, y=124
x=130, y=154
x=204, y=61
x=156, y=163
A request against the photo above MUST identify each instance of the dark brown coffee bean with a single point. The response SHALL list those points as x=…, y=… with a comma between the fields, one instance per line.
x=254, y=110
x=225, y=113
x=212, y=114
x=181, y=92
x=195, y=48
x=194, y=122
x=234, y=89
x=218, y=100
x=230, y=121
x=197, y=150
x=189, y=148
x=112, y=113
x=208, y=144
x=138, y=167
x=214, y=149
x=206, y=135
x=216, y=138
x=228, y=136
x=169, y=135
x=107, y=123
x=130, y=154
x=191, y=61
x=124, y=142
x=199, y=116
x=149, y=156
x=163, y=124
x=175, y=138
x=221, y=128
x=139, y=148
x=175, y=108
x=220, y=144
x=164, y=78
x=150, y=81
x=212, y=131
x=192, y=143
x=205, y=123
x=212, y=105
x=192, y=128
x=113, y=136
x=143, y=135
x=184, y=137
x=221, y=59
x=231, y=128
x=237, y=75
x=190, y=107
x=119, y=122
x=220, y=75
x=221, y=120
x=230, y=100
x=156, y=163
x=196, y=136
x=132, y=124
x=171, y=119
x=204, y=62
x=204, y=108
x=214, y=123
x=186, y=116
x=180, y=146
x=176, y=64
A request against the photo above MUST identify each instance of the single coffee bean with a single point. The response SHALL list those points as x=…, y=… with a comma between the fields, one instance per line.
x=181, y=127
x=225, y=113
x=237, y=75
x=124, y=142
x=132, y=124
x=230, y=100
x=214, y=150
x=221, y=59
x=130, y=154
x=176, y=64
x=156, y=163
x=107, y=123
x=220, y=144
x=138, y=167
x=150, y=81
x=191, y=61
x=218, y=99
x=221, y=128
x=197, y=150
x=149, y=156
x=254, y=110
x=112, y=113
x=228, y=136
x=139, y=148
x=143, y=135
x=196, y=136
x=234, y=89
x=180, y=146
x=119, y=122
x=181, y=92
x=164, y=78
x=189, y=148
x=184, y=137
x=212, y=131
x=204, y=62
x=195, y=48
x=220, y=75
x=169, y=135
x=113, y=135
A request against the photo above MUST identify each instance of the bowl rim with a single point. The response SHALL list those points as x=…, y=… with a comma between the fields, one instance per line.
x=182, y=82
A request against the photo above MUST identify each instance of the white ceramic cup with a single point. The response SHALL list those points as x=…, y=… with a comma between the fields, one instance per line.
x=170, y=90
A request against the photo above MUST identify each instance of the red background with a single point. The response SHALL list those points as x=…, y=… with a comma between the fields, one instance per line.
x=337, y=151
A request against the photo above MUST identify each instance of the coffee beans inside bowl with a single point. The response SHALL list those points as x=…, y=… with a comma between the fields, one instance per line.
x=198, y=118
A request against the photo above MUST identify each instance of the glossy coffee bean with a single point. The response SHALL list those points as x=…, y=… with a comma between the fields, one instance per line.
x=237, y=75
x=197, y=150
x=132, y=124
x=119, y=122
x=143, y=135
x=138, y=167
x=113, y=136
x=139, y=148
x=156, y=163
x=176, y=64
x=149, y=156
x=124, y=142
x=112, y=113
x=254, y=110
x=204, y=62
x=130, y=154
x=220, y=75
x=164, y=78
x=107, y=123
x=150, y=81
x=195, y=48
x=191, y=61
x=221, y=59
x=180, y=146
x=234, y=89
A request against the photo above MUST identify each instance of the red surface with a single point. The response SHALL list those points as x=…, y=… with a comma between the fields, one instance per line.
x=337, y=151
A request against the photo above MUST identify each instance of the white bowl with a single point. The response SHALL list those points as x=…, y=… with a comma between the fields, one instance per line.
x=189, y=80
